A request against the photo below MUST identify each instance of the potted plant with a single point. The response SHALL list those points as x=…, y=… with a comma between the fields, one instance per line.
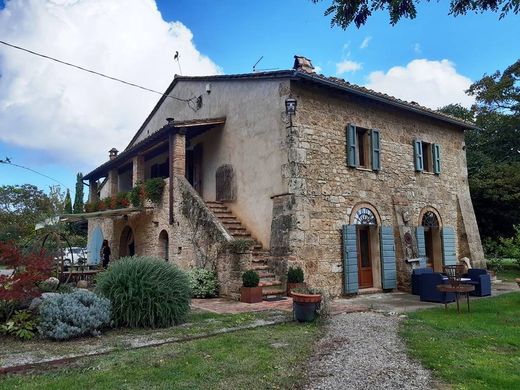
x=250, y=291
x=294, y=279
x=306, y=302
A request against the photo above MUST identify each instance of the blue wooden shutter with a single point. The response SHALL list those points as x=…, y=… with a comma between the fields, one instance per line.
x=418, y=156
x=436, y=150
x=95, y=241
x=352, y=156
x=376, y=149
x=388, y=266
x=421, y=245
x=350, y=263
x=448, y=246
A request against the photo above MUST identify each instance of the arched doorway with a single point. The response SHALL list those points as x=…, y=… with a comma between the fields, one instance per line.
x=163, y=245
x=432, y=240
x=127, y=243
x=367, y=247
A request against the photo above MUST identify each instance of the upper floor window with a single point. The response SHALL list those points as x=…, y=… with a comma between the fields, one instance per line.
x=363, y=148
x=427, y=157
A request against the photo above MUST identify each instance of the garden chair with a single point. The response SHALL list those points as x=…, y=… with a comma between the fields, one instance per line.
x=481, y=280
x=429, y=291
x=416, y=279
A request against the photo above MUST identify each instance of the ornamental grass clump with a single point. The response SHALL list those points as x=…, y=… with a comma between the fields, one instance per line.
x=65, y=316
x=145, y=292
x=203, y=283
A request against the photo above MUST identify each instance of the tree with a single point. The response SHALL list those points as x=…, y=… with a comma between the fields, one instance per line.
x=68, y=203
x=493, y=150
x=346, y=12
x=78, y=198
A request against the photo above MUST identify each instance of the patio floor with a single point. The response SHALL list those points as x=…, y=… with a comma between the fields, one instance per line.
x=395, y=302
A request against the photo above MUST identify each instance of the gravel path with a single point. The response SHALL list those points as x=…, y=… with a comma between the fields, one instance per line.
x=363, y=351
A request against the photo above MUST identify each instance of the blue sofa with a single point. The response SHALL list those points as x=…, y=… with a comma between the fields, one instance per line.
x=416, y=279
x=481, y=280
x=428, y=289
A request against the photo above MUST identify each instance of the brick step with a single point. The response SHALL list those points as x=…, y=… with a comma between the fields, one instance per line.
x=265, y=274
x=260, y=267
x=242, y=235
x=269, y=284
x=273, y=291
x=259, y=260
x=237, y=229
x=231, y=222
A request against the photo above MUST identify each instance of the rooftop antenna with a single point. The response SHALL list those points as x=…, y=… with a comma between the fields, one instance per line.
x=176, y=58
x=254, y=66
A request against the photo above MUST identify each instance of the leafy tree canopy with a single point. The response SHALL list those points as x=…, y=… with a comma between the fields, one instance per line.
x=346, y=12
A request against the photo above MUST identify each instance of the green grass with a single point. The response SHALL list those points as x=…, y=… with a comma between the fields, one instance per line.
x=197, y=323
x=510, y=272
x=271, y=357
x=477, y=350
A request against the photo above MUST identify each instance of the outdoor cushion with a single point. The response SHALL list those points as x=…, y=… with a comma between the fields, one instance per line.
x=481, y=280
x=428, y=289
x=416, y=279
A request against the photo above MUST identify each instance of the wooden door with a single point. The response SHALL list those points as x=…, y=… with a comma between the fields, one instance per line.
x=364, y=258
x=428, y=243
x=197, y=168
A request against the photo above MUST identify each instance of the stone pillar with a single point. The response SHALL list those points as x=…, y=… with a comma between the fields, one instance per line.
x=93, y=191
x=113, y=180
x=178, y=160
x=137, y=170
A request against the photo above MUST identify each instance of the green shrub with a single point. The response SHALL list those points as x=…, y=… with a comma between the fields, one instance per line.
x=510, y=247
x=495, y=264
x=79, y=313
x=295, y=275
x=154, y=188
x=21, y=325
x=203, y=283
x=136, y=195
x=239, y=245
x=250, y=278
x=145, y=292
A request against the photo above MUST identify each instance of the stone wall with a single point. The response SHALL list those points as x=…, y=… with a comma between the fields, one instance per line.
x=196, y=238
x=326, y=191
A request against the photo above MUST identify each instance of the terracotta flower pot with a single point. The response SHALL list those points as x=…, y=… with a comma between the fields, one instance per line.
x=306, y=298
x=292, y=286
x=305, y=306
x=251, y=294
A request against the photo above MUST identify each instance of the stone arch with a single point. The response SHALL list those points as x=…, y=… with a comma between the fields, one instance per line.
x=164, y=244
x=429, y=209
x=127, y=242
x=358, y=208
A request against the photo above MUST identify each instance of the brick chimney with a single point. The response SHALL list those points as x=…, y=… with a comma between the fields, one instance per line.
x=112, y=153
x=303, y=64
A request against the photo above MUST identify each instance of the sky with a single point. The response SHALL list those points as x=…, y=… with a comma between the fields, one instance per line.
x=60, y=121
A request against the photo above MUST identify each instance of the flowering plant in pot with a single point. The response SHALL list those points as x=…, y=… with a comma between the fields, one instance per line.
x=294, y=279
x=306, y=302
x=250, y=291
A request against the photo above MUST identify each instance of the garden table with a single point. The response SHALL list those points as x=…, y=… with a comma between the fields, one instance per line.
x=457, y=289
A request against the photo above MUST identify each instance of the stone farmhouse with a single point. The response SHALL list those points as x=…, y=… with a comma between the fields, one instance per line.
x=355, y=186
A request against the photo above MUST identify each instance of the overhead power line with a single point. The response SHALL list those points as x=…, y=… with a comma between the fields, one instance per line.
x=94, y=72
x=8, y=161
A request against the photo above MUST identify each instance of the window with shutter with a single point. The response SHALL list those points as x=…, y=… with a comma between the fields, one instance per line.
x=436, y=158
x=352, y=146
x=418, y=155
x=376, y=149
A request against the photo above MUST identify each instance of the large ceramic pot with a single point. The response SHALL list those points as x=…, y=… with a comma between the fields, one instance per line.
x=305, y=306
x=251, y=294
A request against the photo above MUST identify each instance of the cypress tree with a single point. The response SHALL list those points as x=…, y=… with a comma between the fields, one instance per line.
x=78, y=198
x=68, y=203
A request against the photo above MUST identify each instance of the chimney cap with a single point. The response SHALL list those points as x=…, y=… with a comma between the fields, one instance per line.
x=304, y=64
x=112, y=153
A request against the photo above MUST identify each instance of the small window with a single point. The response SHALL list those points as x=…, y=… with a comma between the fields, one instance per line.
x=427, y=156
x=363, y=148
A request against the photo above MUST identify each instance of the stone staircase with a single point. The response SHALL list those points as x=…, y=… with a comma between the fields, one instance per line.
x=270, y=285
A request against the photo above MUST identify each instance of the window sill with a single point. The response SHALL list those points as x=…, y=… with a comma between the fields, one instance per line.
x=430, y=173
x=365, y=169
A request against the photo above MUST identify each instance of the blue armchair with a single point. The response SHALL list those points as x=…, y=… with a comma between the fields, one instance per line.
x=416, y=279
x=481, y=280
x=429, y=292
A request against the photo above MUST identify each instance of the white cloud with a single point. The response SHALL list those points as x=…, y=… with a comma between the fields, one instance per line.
x=71, y=115
x=365, y=43
x=430, y=83
x=347, y=66
x=318, y=69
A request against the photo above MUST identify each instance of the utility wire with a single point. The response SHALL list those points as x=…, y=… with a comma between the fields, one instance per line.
x=8, y=161
x=93, y=71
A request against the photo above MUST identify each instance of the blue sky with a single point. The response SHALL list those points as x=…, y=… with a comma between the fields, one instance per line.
x=233, y=35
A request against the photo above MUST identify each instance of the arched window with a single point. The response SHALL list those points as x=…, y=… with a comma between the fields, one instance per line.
x=163, y=244
x=430, y=220
x=365, y=216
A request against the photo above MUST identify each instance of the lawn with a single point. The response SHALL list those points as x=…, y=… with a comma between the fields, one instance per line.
x=268, y=357
x=477, y=350
x=510, y=272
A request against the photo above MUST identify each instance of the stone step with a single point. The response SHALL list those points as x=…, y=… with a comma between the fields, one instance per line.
x=260, y=267
x=241, y=234
x=270, y=283
x=265, y=274
x=273, y=291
